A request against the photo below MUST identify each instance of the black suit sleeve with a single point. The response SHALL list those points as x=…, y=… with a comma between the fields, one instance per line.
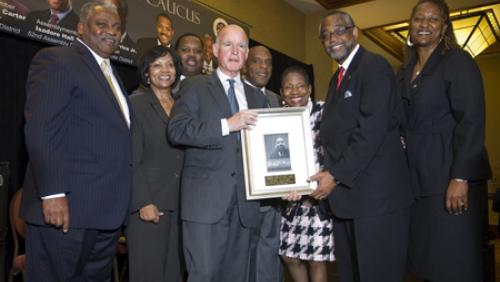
x=49, y=94
x=466, y=96
x=376, y=102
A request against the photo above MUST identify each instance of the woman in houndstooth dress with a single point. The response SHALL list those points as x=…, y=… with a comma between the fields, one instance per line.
x=306, y=237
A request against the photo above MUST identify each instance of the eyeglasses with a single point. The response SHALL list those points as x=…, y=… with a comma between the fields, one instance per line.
x=339, y=31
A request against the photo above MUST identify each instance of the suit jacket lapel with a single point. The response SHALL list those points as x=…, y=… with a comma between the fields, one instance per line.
x=91, y=63
x=335, y=95
x=218, y=93
x=251, y=101
x=411, y=88
x=156, y=105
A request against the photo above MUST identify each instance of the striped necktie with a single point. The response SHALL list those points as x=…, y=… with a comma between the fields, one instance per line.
x=106, y=70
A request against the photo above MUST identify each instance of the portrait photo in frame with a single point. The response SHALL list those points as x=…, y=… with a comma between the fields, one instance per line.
x=278, y=154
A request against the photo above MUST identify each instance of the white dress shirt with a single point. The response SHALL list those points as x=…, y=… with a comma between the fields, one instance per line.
x=348, y=61
x=239, y=89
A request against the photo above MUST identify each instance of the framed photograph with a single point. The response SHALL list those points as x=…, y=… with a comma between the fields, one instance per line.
x=278, y=154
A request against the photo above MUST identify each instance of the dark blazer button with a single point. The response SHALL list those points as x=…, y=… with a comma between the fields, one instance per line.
x=233, y=174
x=238, y=150
x=176, y=175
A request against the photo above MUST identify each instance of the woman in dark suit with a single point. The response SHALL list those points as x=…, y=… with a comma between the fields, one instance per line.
x=443, y=101
x=153, y=231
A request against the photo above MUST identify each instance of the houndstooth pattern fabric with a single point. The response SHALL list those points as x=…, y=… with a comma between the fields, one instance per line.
x=306, y=236
x=304, y=233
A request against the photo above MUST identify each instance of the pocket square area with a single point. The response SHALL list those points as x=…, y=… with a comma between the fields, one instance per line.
x=347, y=94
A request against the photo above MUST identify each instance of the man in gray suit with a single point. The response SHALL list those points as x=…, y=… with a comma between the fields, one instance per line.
x=266, y=239
x=206, y=120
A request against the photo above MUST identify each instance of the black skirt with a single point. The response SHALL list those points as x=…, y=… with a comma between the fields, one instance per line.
x=446, y=247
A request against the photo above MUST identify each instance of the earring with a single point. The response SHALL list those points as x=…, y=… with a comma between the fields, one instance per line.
x=148, y=81
x=408, y=41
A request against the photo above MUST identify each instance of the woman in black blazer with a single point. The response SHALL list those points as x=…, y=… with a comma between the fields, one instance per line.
x=153, y=232
x=443, y=101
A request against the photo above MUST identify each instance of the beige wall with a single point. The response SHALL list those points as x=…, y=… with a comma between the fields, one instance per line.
x=273, y=23
x=490, y=70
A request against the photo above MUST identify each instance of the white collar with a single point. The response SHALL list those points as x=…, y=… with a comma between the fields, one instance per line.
x=262, y=89
x=98, y=58
x=61, y=15
x=224, y=77
x=348, y=61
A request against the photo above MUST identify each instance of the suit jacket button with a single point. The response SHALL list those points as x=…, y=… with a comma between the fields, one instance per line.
x=233, y=174
x=176, y=175
x=238, y=150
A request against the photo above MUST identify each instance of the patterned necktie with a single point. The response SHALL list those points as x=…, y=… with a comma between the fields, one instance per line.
x=106, y=69
x=53, y=19
x=340, y=77
x=231, y=97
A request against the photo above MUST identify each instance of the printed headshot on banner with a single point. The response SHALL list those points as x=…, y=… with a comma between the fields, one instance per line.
x=145, y=23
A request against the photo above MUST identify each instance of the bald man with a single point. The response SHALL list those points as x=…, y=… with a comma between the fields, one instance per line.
x=217, y=218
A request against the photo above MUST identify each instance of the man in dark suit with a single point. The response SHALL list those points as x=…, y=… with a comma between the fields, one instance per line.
x=206, y=119
x=189, y=47
x=258, y=70
x=60, y=13
x=209, y=60
x=79, y=177
x=164, y=34
x=266, y=241
x=280, y=149
x=365, y=176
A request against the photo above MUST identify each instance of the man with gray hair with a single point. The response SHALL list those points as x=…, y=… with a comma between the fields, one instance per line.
x=78, y=181
x=217, y=219
x=365, y=177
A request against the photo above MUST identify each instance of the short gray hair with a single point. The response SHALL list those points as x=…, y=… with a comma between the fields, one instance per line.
x=88, y=7
x=346, y=16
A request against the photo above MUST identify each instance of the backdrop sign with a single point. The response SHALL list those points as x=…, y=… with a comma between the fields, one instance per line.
x=34, y=19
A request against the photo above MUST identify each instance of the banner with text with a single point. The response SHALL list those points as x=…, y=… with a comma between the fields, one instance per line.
x=55, y=21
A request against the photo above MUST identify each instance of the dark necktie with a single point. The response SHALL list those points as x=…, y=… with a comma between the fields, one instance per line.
x=231, y=97
x=340, y=77
x=53, y=19
x=268, y=104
